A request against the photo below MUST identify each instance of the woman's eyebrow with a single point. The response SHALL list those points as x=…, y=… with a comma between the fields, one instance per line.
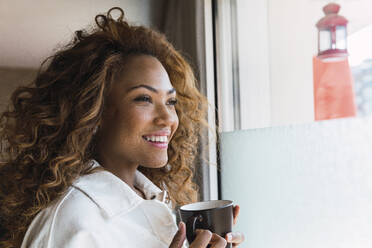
x=150, y=88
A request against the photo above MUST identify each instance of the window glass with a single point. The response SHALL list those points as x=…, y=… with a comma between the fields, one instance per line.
x=325, y=41
x=340, y=37
x=277, y=41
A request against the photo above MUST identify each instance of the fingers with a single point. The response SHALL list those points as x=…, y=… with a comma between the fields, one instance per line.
x=180, y=236
x=217, y=241
x=205, y=237
x=236, y=210
x=235, y=237
x=202, y=238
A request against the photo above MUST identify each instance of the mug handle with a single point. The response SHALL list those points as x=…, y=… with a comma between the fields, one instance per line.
x=191, y=222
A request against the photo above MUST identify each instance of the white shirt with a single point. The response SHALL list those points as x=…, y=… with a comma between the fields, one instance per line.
x=101, y=211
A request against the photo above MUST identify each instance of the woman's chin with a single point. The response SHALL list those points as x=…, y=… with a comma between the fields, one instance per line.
x=155, y=164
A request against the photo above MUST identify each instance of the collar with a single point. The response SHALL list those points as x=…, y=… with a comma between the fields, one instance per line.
x=113, y=195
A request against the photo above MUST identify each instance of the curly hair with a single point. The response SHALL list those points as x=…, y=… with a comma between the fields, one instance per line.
x=46, y=133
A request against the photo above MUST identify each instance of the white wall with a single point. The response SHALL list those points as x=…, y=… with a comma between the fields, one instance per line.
x=254, y=63
x=30, y=30
x=293, y=42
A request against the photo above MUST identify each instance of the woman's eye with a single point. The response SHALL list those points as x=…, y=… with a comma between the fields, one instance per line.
x=143, y=99
x=172, y=102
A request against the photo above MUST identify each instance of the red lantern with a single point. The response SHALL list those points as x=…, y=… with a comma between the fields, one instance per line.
x=332, y=33
x=333, y=82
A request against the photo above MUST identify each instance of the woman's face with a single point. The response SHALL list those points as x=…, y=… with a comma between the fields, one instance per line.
x=140, y=116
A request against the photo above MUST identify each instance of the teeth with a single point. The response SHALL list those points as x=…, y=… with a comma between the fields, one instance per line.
x=162, y=139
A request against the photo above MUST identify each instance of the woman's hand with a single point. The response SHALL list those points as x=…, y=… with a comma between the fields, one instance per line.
x=203, y=238
x=236, y=238
x=180, y=236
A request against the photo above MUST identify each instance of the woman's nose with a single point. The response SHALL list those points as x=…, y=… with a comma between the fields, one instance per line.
x=165, y=115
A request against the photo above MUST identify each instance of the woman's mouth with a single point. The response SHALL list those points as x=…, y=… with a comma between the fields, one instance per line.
x=157, y=141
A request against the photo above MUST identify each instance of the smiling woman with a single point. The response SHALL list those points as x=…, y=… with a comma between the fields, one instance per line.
x=140, y=118
x=100, y=146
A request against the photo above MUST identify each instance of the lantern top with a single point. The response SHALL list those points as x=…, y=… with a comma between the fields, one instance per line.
x=332, y=17
x=331, y=8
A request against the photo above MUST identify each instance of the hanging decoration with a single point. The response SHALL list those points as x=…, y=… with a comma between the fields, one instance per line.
x=333, y=82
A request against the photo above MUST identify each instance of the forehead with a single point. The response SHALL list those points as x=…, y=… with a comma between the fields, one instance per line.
x=144, y=69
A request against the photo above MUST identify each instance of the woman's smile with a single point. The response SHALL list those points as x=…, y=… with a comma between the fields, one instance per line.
x=158, y=144
x=159, y=139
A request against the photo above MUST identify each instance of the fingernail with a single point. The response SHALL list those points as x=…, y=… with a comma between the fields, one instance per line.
x=229, y=237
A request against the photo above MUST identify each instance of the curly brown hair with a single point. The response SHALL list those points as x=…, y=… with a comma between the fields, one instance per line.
x=46, y=138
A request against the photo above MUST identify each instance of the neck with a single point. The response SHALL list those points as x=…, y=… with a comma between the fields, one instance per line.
x=126, y=172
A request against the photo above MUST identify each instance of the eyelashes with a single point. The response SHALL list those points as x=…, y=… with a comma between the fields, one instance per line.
x=148, y=99
x=173, y=101
x=143, y=98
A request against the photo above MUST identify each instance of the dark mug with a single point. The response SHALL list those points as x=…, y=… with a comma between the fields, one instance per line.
x=215, y=215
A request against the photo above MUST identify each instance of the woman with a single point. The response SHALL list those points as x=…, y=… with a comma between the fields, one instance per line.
x=94, y=144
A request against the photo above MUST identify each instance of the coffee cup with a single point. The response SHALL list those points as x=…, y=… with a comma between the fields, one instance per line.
x=214, y=215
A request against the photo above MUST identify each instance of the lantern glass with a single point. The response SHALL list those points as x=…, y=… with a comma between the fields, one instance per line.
x=341, y=37
x=325, y=40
